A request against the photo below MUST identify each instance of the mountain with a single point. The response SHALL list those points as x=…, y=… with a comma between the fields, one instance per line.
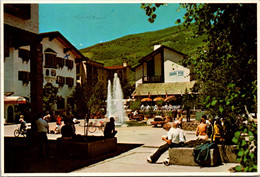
x=131, y=48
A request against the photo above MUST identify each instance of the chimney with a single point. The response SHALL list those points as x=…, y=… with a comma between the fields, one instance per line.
x=125, y=63
x=155, y=47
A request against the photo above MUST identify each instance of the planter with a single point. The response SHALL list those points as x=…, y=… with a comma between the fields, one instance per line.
x=86, y=147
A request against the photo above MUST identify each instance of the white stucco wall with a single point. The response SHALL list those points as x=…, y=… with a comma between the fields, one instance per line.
x=31, y=24
x=138, y=75
x=12, y=65
x=173, y=72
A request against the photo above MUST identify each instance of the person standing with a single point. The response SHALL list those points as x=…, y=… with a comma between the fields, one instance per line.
x=58, y=125
x=42, y=129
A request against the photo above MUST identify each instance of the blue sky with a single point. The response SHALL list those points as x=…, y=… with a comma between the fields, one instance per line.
x=85, y=25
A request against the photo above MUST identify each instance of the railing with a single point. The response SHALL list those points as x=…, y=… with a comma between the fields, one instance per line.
x=152, y=79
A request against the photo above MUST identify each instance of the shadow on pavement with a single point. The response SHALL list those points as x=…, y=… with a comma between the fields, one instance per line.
x=20, y=158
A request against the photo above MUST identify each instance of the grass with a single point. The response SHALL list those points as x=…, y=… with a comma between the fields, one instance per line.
x=131, y=48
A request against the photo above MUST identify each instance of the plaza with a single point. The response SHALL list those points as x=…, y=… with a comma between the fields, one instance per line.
x=138, y=142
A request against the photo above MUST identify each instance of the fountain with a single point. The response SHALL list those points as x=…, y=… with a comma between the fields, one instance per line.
x=115, y=104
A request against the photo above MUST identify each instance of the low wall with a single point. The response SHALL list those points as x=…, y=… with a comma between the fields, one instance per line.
x=221, y=154
x=228, y=153
x=183, y=156
x=86, y=149
x=190, y=126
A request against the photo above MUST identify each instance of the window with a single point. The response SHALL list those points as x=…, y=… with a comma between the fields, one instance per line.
x=19, y=10
x=178, y=73
x=60, y=80
x=24, y=76
x=50, y=60
x=24, y=54
x=47, y=72
x=60, y=62
x=69, y=81
x=77, y=68
x=69, y=64
x=53, y=72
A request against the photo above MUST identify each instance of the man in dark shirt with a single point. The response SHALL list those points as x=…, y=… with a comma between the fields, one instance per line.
x=110, y=131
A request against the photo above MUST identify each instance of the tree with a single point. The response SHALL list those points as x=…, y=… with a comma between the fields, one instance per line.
x=89, y=99
x=226, y=66
x=49, y=96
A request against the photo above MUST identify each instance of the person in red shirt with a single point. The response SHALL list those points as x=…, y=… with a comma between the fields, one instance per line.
x=58, y=125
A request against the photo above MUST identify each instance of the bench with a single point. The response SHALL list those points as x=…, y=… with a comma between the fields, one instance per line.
x=183, y=156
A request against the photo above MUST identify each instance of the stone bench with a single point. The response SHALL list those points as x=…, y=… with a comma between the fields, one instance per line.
x=183, y=156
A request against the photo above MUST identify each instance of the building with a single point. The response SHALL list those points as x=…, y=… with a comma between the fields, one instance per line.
x=32, y=60
x=160, y=74
x=60, y=62
x=21, y=28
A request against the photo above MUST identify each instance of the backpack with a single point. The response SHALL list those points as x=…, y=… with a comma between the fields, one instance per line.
x=201, y=152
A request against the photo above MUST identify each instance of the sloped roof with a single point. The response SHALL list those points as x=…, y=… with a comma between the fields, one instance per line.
x=63, y=41
x=174, y=88
x=115, y=67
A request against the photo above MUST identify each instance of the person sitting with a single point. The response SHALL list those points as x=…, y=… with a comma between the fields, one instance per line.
x=110, y=131
x=67, y=130
x=201, y=130
x=174, y=138
x=22, y=124
x=218, y=131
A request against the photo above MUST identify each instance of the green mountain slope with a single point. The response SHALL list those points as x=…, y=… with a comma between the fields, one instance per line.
x=131, y=48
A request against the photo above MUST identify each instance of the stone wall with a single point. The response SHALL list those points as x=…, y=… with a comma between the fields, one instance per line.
x=190, y=126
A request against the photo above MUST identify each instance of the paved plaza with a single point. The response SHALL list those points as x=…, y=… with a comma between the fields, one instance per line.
x=133, y=162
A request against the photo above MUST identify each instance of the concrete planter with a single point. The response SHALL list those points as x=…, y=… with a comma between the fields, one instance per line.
x=86, y=147
x=183, y=156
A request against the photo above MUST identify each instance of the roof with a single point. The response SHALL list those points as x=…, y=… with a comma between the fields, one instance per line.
x=173, y=88
x=94, y=63
x=159, y=50
x=14, y=100
x=115, y=67
x=63, y=41
x=155, y=52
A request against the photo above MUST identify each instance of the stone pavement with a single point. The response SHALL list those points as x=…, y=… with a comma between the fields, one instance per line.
x=133, y=162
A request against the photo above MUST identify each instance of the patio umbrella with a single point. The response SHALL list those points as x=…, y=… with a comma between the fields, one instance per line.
x=146, y=99
x=170, y=98
x=158, y=99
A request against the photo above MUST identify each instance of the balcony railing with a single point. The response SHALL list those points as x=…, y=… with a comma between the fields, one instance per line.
x=152, y=79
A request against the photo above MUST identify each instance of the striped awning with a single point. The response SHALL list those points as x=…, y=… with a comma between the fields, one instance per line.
x=14, y=100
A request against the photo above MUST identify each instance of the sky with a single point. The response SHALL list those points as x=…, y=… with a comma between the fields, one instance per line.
x=85, y=25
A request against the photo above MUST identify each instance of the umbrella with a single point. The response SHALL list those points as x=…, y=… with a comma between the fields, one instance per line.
x=170, y=98
x=146, y=99
x=158, y=99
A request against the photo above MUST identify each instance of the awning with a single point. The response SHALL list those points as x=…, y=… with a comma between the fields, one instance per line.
x=170, y=98
x=14, y=100
x=158, y=99
x=146, y=99
x=156, y=89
